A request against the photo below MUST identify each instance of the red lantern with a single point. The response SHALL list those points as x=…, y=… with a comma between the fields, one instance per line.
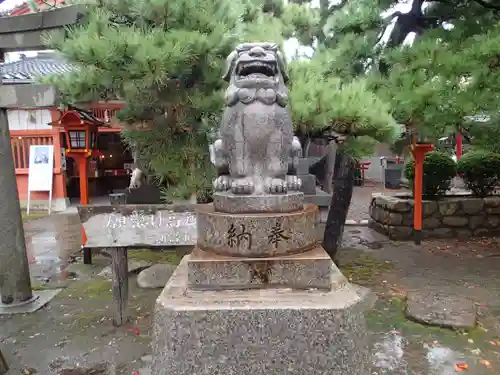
x=80, y=132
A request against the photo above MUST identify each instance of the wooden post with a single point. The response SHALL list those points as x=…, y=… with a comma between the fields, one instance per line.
x=119, y=268
x=419, y=151
x=3, y=364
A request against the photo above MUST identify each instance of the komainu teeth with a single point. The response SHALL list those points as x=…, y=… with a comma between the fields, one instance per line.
x=256, y=67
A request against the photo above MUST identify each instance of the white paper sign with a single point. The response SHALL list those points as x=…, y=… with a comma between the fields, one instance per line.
x=41, y=169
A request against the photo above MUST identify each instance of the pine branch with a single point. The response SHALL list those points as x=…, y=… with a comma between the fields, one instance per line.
x=335, y=7
x=483, y=3
x=488, y=5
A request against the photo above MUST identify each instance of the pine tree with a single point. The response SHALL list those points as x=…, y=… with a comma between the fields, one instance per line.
x=431, y=85
x=320, y=102
x=447, y=74
x=164, y=59
x=442, y=71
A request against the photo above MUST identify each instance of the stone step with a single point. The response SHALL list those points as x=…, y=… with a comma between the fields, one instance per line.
x=310, y=269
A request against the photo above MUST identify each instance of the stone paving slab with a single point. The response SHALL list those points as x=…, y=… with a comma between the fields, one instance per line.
x=435, y=308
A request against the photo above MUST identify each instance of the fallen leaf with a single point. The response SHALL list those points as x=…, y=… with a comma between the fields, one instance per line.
x=461, y=366
x=134, y=330
x=486, y=363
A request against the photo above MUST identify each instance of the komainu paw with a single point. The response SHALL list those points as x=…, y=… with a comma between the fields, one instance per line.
x=293, y=183
x=277, y=186
x=242, y=186
x=222, y=183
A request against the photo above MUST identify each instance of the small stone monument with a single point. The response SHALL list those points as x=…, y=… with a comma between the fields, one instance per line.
x=258, y=295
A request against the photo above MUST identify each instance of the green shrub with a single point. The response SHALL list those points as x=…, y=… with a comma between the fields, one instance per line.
x=439, y=169
x=480, y=171
x=205, y=195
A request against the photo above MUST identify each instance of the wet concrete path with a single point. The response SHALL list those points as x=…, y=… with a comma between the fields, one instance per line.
x=468, y=269
x=51, y=243
x=75, y=329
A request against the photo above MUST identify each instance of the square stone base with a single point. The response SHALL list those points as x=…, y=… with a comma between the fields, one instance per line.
x=321, y=198
x=259, y=331
x=310, y=269
x=308, y=185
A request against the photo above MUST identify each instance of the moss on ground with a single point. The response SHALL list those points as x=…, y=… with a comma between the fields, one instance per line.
x=95, y=289
x=42, y=287
x=32, y=216
x=389, y=315
x=365, y=269
x=155, y=256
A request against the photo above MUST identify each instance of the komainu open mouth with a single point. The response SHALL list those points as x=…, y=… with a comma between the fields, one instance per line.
x=257, y=69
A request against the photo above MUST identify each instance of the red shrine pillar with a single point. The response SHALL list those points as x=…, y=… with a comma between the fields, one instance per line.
x=418, y=150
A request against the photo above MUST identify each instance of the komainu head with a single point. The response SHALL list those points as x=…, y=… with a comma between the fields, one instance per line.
x=256, y=65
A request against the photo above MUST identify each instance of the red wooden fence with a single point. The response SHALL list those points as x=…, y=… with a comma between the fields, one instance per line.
x=21, y=145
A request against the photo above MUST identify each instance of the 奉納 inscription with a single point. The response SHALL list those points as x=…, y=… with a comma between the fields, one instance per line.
x=277, y=235
x=235, y=237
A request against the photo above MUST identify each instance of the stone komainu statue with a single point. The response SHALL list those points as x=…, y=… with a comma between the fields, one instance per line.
x=257, y=152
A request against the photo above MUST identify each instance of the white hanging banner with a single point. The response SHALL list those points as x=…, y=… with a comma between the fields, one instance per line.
x=41, y=171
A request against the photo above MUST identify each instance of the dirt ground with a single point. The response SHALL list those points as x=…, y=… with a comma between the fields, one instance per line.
x=461, y=268
x=74, y=334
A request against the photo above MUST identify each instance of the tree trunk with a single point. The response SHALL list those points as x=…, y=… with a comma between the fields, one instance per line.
x=15, y=284
x=3, y=364
x=140, y=165
x=342, y=188
x=330, y=167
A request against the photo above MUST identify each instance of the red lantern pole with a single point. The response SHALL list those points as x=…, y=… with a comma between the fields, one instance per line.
x=84, y=200
x=84, y=183
x=418, y=151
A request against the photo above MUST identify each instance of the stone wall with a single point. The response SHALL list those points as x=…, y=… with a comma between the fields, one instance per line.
x=452, y=216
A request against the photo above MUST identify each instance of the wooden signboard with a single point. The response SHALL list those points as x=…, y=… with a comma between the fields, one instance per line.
x=138, y=226
x=124, y=226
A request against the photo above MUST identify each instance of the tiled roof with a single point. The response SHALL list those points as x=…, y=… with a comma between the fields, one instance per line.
x=26, y=70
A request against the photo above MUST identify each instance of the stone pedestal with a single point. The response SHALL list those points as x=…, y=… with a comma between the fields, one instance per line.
x=257, y=296
x=312, y=193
